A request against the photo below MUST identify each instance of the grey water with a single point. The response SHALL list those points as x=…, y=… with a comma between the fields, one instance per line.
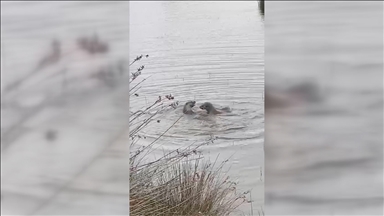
x=207, y=52
x=326, y=157
x=64, y=127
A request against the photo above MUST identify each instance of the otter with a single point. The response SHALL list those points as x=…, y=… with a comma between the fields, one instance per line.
x=93, y=45
x=212, y=110
x=188, y=107
x=295, y=95
x=275, y=100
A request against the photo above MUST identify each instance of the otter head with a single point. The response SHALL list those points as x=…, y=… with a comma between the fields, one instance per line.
x=208, y=107
x=188, y=107
x=190, y=104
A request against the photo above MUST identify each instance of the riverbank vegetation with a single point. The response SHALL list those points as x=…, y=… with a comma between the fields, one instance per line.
x=181, y=182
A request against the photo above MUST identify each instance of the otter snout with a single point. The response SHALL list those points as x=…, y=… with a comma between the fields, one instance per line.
x=205, y=106
x=192, y=103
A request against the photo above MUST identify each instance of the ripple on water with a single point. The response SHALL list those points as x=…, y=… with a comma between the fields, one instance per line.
x=236, y=126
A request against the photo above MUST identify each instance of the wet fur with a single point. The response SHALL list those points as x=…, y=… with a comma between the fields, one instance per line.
x=305, y=92
x=188, y=107
x=212, y=110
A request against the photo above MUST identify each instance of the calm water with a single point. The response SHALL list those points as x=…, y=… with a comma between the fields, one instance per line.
x=64, y=129
x=326, y=158
x=63, y=147
x=206, y=51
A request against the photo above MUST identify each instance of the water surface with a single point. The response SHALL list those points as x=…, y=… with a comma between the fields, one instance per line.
x=326, y=158
x=206, y=51
x=63, y=147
